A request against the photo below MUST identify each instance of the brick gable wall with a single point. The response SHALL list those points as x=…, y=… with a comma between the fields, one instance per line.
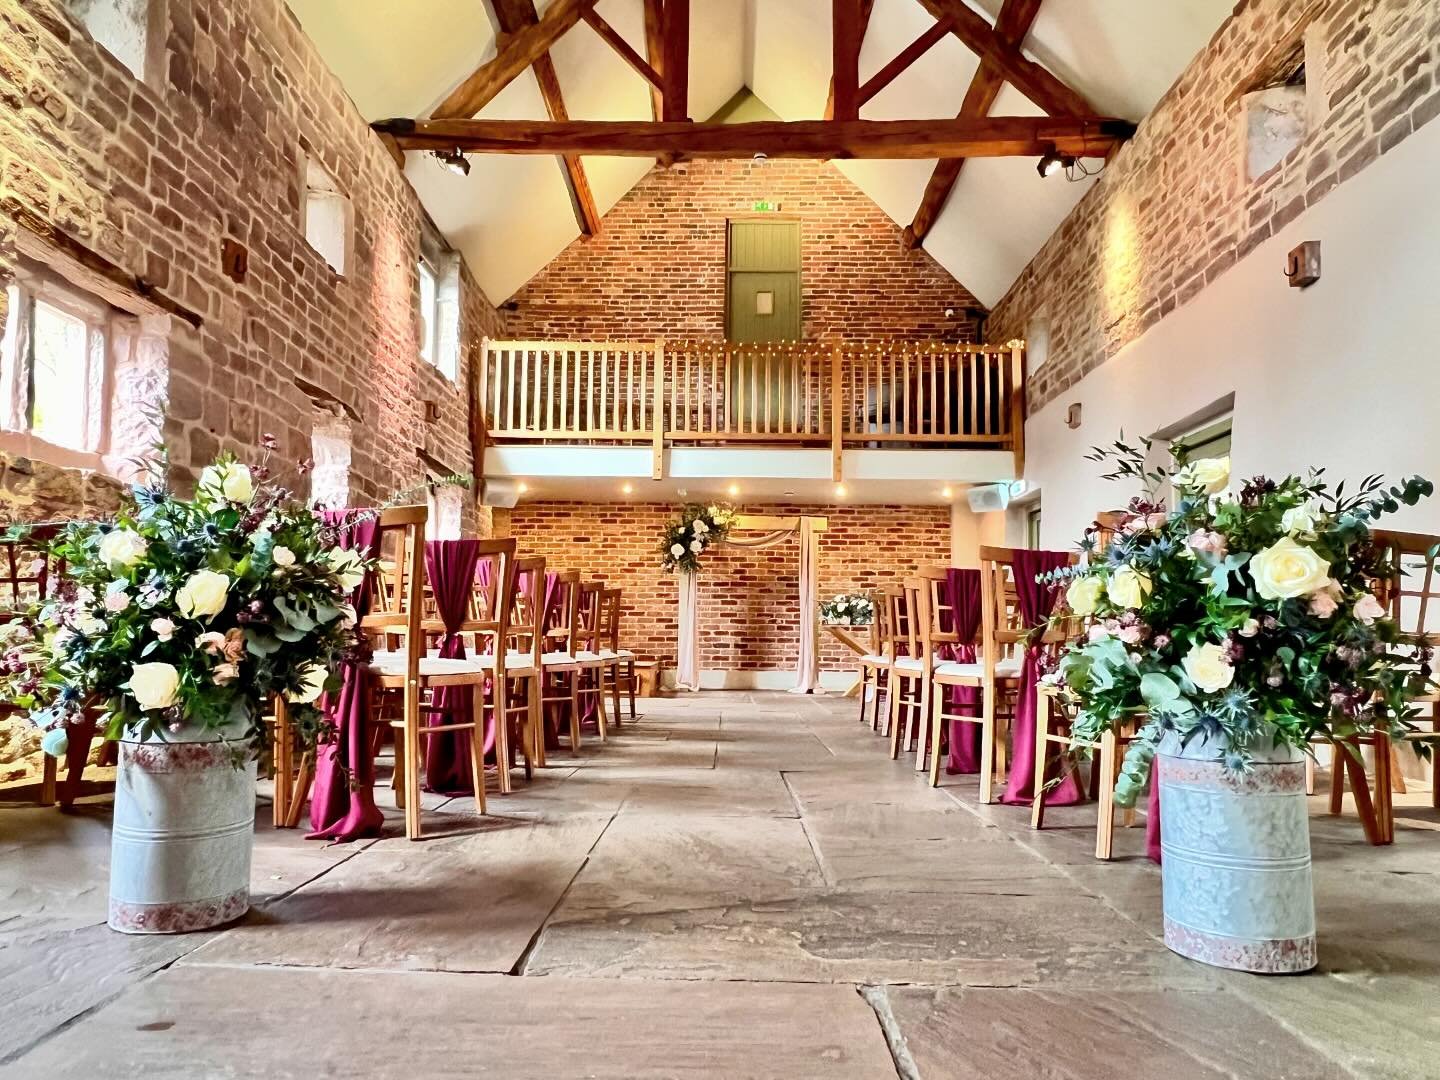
x=748, y=620
x=1175, y=209
x=657, y=267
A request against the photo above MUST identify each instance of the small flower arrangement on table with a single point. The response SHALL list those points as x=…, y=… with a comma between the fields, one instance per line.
x=848, y=609
x=688, y=535
x=187, y=612
x=1246, y=617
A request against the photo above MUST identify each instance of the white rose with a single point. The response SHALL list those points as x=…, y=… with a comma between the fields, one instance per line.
x=312, y=684
x=230, y=481
x=154, y=686
x=346, y=566
x=163, y=629
x=1209, y=474
x=700, y=526
x=1299, y=520
x=696, y=546
x=1083, y=595
x=282, y=556
x=122, y=549
x=1208, y=667
x=1367, y=609
x=1286, y=569
x=1128, y=587
x=203, y=595
x=90, y=625
x=117, y=600
x=1251, y=628
x=677, y=550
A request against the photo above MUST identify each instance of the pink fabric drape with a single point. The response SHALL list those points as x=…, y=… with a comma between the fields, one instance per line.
x=342, y=801
x=807, y=664
x=687, y=649
x=451, y=566
x=963, y=587
x=1152, y=820
x=1036, y=602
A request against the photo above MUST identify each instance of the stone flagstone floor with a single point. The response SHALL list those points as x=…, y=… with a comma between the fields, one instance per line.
x=738, y=885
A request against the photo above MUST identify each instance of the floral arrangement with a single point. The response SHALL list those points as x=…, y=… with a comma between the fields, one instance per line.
x=848, y=609
x=187, y=612
x=687, y=536
x=1245, y=618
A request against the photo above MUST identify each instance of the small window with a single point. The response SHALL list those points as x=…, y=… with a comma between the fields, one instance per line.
x=429, y=312
x=128, y=30
x=326, y=217
x=56, y=348
x=1280, y=99
x=330, y=449
x=1210, y=441
x=1037, y=343
x=1032, y=527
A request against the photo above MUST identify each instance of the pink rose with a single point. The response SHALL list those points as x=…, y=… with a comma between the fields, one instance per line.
x=224, y=673
x=1098, y=633
x=211, y=642
x=234, y=645
x=1368, y=609
x=1209, y=541
x=1130, y=635
x=1323, y=605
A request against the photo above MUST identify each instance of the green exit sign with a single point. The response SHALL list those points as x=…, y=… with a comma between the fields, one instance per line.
x=765, y=206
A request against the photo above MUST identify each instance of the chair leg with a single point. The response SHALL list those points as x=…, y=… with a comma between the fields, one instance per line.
x=615, y=691
x=502, y=737
x=1105, y=795
x=601, y=720
x=864, y=689
x=1385, y=788
x=412, y=772
x=1337, y=777
x=477, y=742
x=575, y=711
x=536, y=724
x=894, y=693
x=937, y=724
x=1309, y=775
x=281, y=742
x=630, y=680
x=49, y=769
x=922, y=725
x=1397, y=778
x=1042, y=750
x=1355, y=766
x=987, y=745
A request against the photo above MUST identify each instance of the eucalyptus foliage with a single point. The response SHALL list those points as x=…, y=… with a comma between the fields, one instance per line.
x=1248, y=618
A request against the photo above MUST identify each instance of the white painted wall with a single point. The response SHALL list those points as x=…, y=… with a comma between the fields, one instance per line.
x=1344, y=374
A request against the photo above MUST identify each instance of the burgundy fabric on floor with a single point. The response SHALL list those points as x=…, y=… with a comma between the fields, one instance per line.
x=342, y=801
x=1036, y=602
x=1152, y=817
x=451, y=565
x=963, y=587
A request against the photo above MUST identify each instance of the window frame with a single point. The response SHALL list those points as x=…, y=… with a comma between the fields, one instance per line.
x=17, y=364
x=312, y=192
x=429, y=314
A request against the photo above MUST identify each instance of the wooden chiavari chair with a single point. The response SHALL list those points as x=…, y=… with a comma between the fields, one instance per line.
x=876, y=663
x=523, y=666
x=1412, y=598
x=619, y=664
x=397, y=609
x=906, y=685
x=564, y=640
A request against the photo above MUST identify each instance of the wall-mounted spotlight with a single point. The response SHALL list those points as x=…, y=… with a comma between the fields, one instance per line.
x=1052, y=163
x=454, y=160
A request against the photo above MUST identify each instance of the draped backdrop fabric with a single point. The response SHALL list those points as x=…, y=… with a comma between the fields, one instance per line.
x=451, y=567
x=807, y=667
x=342, y=801
x=1036, y=602
x=963, y=586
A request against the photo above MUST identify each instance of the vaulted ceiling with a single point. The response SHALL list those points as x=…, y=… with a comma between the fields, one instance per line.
x=512, y=214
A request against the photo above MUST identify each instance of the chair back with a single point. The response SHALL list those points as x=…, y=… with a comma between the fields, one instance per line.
x=1411, y=594
x=610, y=619
x=492, y=597
x=1107, y=524
x=939, y=609
x=27, y=570
x=587, y=616
x=562, y=631
x=904, y=631
x=527, y=612
x=882, y=633
x=392, y=608
x=1002, y=627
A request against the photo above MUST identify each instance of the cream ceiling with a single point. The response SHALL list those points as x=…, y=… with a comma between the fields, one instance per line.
x=512, y=214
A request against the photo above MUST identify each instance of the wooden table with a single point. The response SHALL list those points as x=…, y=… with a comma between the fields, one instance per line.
x=844, y=635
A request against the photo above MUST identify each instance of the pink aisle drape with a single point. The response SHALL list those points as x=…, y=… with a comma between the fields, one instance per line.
x=342, y=801
x=1036, y=602
x=963, y=587
x=1152, y=819
x=451, y=565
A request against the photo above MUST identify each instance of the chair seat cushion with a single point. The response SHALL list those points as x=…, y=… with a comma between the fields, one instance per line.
x=874, y=660
x=393, y=664
x=585, y=656
x=908, y=663
x=553, y=658
x=513, y=660
x=613, y=654
x=1008, y=668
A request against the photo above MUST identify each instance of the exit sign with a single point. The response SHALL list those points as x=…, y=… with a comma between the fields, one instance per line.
x=765, y=206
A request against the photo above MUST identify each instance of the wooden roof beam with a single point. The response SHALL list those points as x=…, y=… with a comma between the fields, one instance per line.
x=1012, y=24
x=515, y=17
x=611, y=37
x=513, y=55
x=907, y=56
x=866, y=7
x=676, y=65
x=846, y=29
x=996, y=136
x=1030, y=78
x=655, y=54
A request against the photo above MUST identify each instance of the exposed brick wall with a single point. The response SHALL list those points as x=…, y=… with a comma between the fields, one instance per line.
x=747, y=598
x=154, y=176
x=657, y=267
x=1175, y=209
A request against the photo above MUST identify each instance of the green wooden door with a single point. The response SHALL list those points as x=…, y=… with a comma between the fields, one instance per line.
x=764, y=281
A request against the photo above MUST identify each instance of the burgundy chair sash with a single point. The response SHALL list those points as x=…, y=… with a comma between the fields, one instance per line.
x=342, y=801
x=451, y=566
x=1036, y=602
x=963, y=616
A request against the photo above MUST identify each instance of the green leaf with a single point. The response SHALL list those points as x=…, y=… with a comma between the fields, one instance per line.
x=1158, y=690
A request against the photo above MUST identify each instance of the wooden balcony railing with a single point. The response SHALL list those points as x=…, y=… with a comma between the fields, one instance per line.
x=932, y=395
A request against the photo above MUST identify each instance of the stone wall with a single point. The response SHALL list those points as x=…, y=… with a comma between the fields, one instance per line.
x=748, y=620
x=1176, y=208
x=657, y=268
x=156, y=175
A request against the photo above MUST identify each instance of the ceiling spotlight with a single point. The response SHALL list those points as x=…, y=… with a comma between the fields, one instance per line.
x=946, y=493
x=839, y=491
x=627, y=488
x=1052, y=163
x=454, y=160
x=734, y=490
x=761, y=157
x=522, y=487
